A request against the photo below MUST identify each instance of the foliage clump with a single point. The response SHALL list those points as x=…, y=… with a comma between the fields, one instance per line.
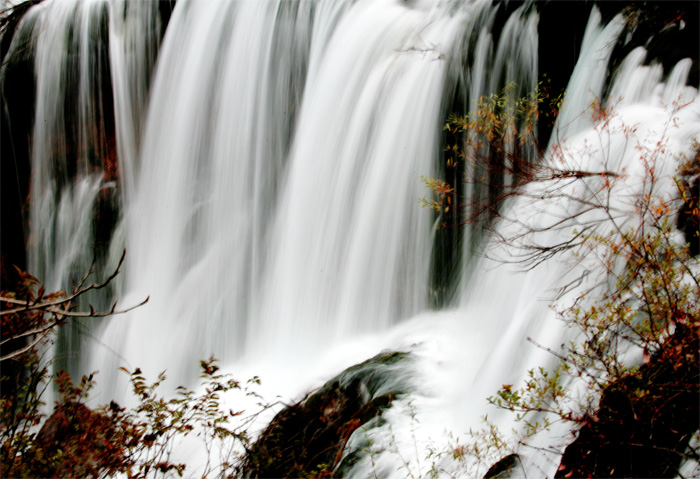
x=79, y=441
x=306, y=439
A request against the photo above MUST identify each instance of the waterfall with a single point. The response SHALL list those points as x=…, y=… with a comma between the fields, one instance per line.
x=260, y=162
x=261, y=134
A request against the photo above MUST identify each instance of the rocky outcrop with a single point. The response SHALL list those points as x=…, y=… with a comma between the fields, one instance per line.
x=308, y=438
x=645, y=421
x=510, y=467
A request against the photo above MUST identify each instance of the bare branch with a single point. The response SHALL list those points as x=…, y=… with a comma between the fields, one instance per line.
x=60, y=309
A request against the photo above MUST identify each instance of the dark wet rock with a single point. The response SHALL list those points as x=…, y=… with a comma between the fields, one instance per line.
x=510, y=466
x=689, y=216
x=645, y=421
x=308, y=438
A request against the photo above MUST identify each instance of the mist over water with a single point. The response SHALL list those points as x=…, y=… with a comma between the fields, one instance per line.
x=269, y=160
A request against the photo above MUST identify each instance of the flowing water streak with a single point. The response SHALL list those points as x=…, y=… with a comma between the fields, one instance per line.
x=350, y=250
x=134, y=39
x=62, y=32
x=588, y=78
x=228, y=83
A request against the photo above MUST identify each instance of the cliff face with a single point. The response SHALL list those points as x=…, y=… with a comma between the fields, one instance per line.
x=17, y=85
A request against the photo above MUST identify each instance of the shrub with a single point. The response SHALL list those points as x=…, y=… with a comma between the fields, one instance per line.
x=628, y=382
x=77, y=441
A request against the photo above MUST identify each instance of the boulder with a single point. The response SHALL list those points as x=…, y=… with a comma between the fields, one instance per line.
x=308, y=438
x=510, y=467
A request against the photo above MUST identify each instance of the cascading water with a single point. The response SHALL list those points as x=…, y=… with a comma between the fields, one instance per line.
x=268, y=170
x=258, y=155
x=69, y=144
